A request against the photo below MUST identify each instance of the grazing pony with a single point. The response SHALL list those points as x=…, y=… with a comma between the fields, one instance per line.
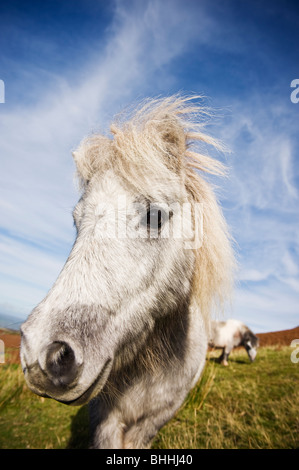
x=125, y=326
x=231, y=334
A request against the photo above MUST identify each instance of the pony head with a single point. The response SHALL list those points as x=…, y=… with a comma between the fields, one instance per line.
x=151, y=242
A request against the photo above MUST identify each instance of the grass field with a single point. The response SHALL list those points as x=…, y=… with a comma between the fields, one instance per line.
x=249, y=406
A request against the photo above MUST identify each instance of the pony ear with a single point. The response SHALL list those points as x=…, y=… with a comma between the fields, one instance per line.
x=173, y=139
x=83, y=169
x=89, y=156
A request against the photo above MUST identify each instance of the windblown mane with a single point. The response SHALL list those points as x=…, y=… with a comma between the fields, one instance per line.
x=161, y=138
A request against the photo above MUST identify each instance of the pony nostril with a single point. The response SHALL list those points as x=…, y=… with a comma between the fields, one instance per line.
x=61, y=365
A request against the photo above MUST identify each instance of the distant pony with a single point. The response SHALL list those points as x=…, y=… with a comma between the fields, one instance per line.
x=125, y=326
x=230, y=334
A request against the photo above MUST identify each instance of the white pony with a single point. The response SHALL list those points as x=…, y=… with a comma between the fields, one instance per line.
x=231, y=334
x=125, y=326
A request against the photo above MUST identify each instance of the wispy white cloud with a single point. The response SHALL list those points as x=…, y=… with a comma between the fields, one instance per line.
x=26, y=272
x=262, y=158
x=290, y=264
x=287, y=164
x=265, y=307
x=253, y=275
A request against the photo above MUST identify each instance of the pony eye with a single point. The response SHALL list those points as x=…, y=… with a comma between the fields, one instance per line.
x=154, y=219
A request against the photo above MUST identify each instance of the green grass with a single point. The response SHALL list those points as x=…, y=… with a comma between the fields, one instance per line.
x=252, y=406
x=31, y=422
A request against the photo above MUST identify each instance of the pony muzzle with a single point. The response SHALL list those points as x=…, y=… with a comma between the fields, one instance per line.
x=57, y=368
x=59, y=373
x=252, y=354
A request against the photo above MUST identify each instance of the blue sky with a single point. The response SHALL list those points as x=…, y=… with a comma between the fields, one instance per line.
x=69, y=66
